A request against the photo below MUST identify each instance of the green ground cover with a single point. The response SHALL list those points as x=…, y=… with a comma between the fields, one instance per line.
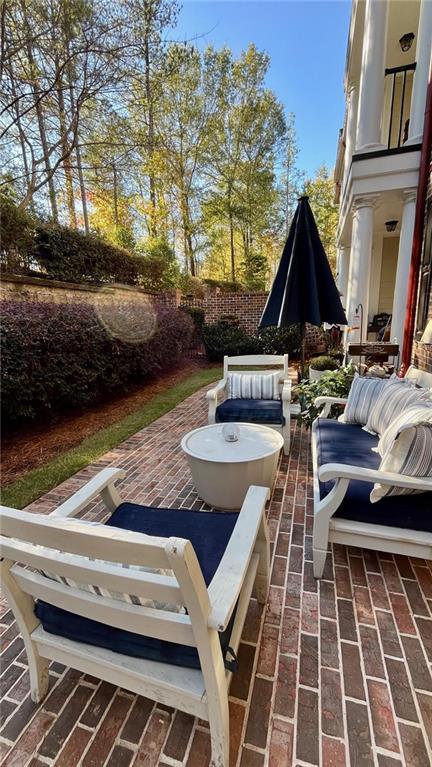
x=23, y=491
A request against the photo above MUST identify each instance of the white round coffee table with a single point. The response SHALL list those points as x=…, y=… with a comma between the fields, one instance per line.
x=223, y=471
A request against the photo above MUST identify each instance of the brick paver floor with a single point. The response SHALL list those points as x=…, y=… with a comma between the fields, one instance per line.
x=331, y=673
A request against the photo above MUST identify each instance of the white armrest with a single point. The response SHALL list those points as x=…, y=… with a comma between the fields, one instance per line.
x=286, y=391
x=101, y=484
x=214, y=393
x=327, y=403
x=227, y=581
x=344, y=471
x=332, y=400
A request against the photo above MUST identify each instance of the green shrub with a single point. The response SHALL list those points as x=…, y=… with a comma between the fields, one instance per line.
x=226, y=337
x=66, y=254
x=197, y=314
x=17, y=236
x=158, y=266
x=324, y=363
x=332, y=384
x=225, y=286
x=191, y=286
x=63, y=356
x=280, y=340
x=30, y=246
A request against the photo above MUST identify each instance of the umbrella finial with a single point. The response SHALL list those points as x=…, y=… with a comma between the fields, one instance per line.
x=303, y=197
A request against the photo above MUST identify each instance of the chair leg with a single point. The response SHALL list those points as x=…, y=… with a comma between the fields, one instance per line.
x=23, y=609
x=212, y=412
x=319, y=560
x=286, y=433
x=39, y=677
x=219, y=734
x=262, y=578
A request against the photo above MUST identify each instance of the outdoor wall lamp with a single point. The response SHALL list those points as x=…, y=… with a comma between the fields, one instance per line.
x=391, y=225
x=406, y=41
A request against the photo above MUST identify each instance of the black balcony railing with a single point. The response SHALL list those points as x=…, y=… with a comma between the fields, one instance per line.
x=399, y=80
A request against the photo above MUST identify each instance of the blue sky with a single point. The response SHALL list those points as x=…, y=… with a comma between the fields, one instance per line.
x=306, y=41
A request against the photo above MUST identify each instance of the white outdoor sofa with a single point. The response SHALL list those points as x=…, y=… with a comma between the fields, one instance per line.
x=345, y=469
x=36, y=549
x=273, y=413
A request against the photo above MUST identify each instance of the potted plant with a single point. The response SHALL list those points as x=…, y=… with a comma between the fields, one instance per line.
x=336, y=383
x=319, y=365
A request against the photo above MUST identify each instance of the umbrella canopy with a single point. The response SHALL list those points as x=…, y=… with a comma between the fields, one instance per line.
x=304, y=289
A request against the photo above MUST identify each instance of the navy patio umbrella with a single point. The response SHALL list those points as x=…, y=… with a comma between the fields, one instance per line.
x=303, y=289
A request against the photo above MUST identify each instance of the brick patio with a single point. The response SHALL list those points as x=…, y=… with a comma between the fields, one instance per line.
x=335, y=673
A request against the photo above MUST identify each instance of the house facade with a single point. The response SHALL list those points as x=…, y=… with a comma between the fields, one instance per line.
x=382, y=173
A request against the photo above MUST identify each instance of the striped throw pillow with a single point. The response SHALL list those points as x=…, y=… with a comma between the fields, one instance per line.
x=409, y=455
x=253, y=386
x=131, y=599
x=411, y=416
x=362, y=396
x=394, y=398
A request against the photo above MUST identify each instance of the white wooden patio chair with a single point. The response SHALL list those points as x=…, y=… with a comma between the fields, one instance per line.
x=372, y=531
x=34, y=545
x=259, y=364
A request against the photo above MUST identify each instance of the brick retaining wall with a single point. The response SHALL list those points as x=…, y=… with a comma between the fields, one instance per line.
x=37, y=289
x=247, y=307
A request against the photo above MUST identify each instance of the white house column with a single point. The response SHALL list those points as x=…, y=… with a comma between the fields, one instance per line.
x=372, y=76
x=360, y=262
x=351, y=128
x=403, y=267
x=342, y=272
x=421, y=74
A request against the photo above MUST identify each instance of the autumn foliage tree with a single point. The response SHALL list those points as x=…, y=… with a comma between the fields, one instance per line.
x=108, y=126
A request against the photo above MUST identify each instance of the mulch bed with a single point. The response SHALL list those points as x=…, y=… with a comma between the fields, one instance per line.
x=36, y=444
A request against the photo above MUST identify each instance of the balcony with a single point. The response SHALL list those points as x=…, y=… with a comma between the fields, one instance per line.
x=397, y=104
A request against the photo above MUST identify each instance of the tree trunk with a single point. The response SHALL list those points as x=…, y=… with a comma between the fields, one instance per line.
x=150, y=137
x=78, y=156
x=20, y=131
x=187, y=236
x=232, y=248
x=40, y=121
x=82, y=188
x=70, y=199
x=115, y=195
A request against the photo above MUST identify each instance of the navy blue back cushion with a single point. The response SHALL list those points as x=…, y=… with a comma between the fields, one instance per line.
x=350, y=444
x=209, y=533
x=250, y=411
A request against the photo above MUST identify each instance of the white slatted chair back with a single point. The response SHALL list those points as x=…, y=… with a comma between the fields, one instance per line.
x=257, y=363
x=89, y=554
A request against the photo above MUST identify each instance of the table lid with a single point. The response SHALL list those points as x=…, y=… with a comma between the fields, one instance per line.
x=255, y=441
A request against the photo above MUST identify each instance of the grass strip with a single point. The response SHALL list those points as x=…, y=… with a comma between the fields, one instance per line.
x=39, y=481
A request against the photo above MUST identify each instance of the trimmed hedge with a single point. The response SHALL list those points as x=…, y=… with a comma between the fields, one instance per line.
x=66, y=254
x=30, y=246
x=280, y=340
x=227, y=337
x=65, y=356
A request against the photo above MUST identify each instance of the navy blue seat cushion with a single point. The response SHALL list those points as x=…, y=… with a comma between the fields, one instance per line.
x=250, y=411
x=349, y=444
x=209, y=533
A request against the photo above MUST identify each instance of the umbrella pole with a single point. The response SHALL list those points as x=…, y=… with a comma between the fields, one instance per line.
x=303, y=344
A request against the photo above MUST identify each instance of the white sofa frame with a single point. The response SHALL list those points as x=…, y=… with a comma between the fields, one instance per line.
x=59, y=544
x=328, y=529
x=257, y=363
